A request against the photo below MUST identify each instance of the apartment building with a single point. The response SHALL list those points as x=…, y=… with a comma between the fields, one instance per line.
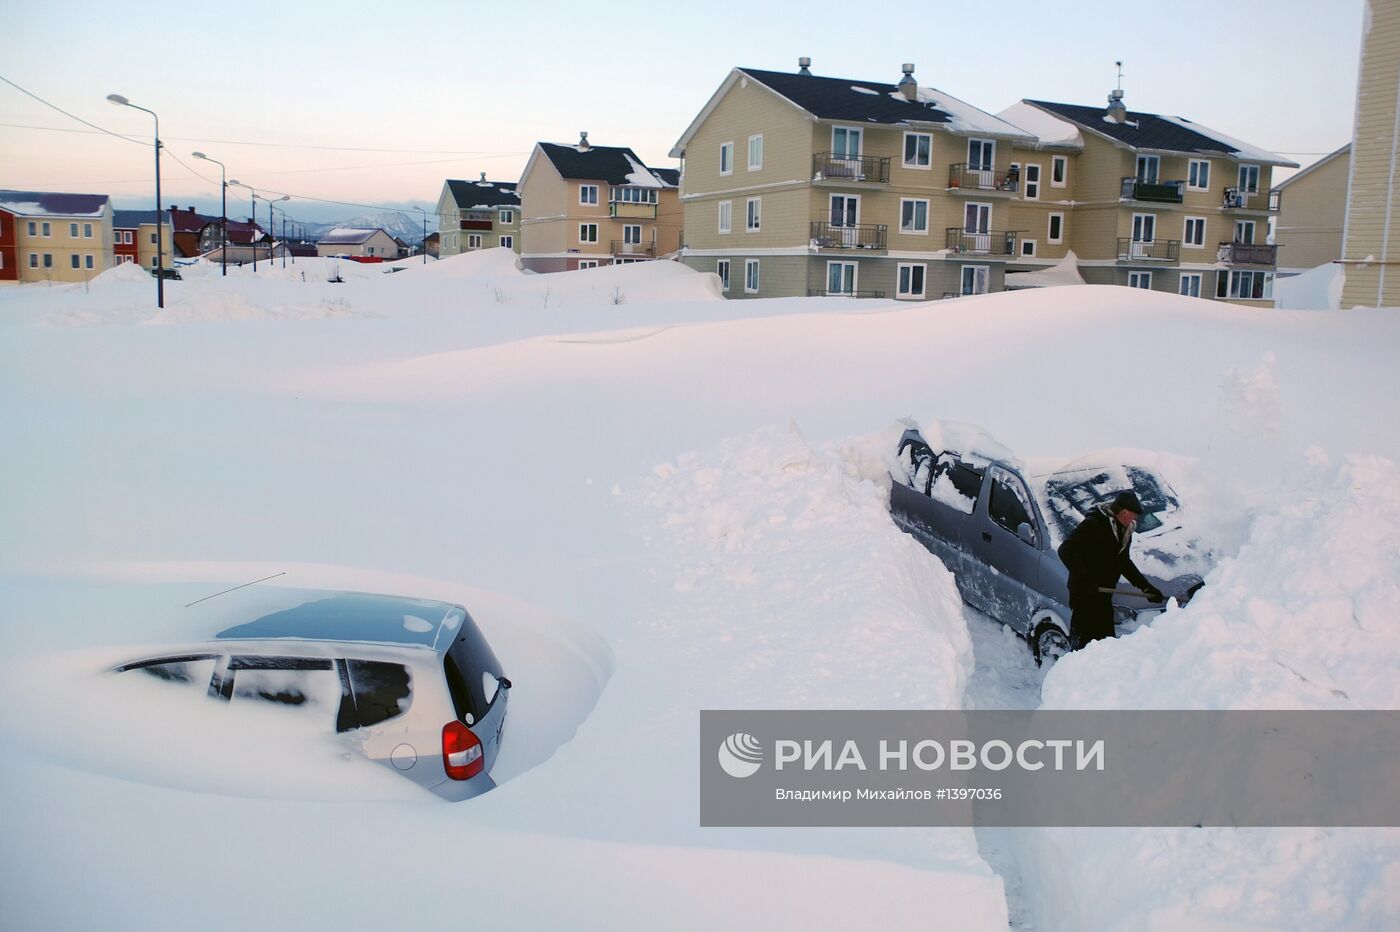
x=1144, y=200
x=55, y=237
x=797, y=184
x=1312, y=212
x=478, y=215
x=586, y=206
x=135, y=238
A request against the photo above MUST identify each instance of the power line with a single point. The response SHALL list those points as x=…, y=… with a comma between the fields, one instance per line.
x=66, y=113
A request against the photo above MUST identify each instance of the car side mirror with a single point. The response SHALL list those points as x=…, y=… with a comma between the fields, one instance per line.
x=503, y=681
x=1023, y=531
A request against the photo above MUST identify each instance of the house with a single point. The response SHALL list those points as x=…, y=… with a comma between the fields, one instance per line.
x=55, y=237
x=1143, y=200
x=190, y=226
x=587, y=205
x=478, y=215
x=796, y=184
x=431, y=244
x=1369, y=253
x=1312, y=212
x=357, y=243
x=245, y=238
x=404, y=250
x=135, y=238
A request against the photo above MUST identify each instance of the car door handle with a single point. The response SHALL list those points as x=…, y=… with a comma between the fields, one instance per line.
x=986, y=537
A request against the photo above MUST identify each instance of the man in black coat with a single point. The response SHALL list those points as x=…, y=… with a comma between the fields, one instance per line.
x=1096, y=554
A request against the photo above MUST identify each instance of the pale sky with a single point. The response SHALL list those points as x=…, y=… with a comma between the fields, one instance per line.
x=377, y=103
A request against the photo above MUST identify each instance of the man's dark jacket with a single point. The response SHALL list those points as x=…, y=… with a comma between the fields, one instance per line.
x=1096, y=557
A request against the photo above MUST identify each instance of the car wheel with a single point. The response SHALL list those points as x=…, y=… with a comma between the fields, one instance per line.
x=1049, y=643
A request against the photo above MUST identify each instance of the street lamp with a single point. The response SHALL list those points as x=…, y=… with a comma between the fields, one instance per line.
x=272, y=227
x=121, y=101
x=270, y=201
x=223, y=223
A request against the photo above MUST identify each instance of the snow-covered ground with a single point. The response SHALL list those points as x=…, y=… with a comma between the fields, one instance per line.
x=655, y=501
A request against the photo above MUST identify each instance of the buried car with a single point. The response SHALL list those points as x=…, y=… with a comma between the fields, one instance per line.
x=411, y=682
x=998, y=531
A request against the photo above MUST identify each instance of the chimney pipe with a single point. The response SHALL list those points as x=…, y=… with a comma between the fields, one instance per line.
x=583, y=142
x=803, y=64
x=907, y=85
x=483, y=177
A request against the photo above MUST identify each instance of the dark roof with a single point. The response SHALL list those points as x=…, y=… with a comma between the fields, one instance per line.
x=188, y=221
x=610, y=164
x=1141, y=130
x=671, y=176
x=244, y=233
x=49, y=203
x=836, y=99
x=130, y=219
x=469, y=194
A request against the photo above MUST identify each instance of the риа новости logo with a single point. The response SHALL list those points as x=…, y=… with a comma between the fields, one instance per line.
x=741, y=755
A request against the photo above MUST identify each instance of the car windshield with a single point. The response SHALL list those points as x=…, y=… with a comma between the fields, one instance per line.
x=1072, y=494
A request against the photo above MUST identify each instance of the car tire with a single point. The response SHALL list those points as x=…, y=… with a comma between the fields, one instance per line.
x=1049, y=642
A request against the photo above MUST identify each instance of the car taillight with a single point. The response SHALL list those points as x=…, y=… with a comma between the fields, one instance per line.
x=461, y=752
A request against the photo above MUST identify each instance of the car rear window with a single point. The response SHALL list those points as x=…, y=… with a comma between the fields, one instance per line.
x=472, y=670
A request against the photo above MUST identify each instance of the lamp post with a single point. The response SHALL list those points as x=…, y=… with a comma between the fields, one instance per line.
x=424, y=245
x=223, y=222
x=252, y=222
x=272, y=225
x=121, y=101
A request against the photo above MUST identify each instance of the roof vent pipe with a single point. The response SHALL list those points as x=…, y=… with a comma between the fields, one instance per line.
x=1117, y=111
x=907, y=85
x=583, y=142
x=483, y=177
x=803, y=64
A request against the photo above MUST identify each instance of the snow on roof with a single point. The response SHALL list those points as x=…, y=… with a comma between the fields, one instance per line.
x=1064, y=272
x=1050, y=130
x=1244, y=151
x=348, y=236
x=963, y=116
x=52, y=204
x=640, y=175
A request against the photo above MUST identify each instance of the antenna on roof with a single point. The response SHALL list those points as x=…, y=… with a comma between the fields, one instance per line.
x=907, y=85
x=244, y=586
x=803, y=64
x=1117, y=112
x=583, y=142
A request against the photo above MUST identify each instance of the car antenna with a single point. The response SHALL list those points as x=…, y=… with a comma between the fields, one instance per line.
x=244, y=586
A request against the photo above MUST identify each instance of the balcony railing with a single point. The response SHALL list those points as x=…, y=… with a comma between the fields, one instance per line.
x=1158, y=192
x=1248, y=254
x=829, y=166
x=963, y=176
x=476, y=219
x=987, y=243
x=863, y=236
x=1237, y=199
x=1161, y=250
x=640, y=250
x=824, y=293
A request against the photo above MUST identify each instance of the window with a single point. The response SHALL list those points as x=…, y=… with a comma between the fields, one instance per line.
x=726, y=213
x=1249, y=179
x=588, y=263
x=588, y=232
x=726, y=158
x=1139, y=279
x=1009, y=505
x=918, y=150
x=1028, y=248
x=1190, y=285
x=911, y=279
x=154, y=261
x=153, y=239
x=378, y=692
x=508, y=242
x=754, y=215
x=73, y=230
x=1244, y=231
x=722, y=270
x=87, y=261
x=48, y=231
x=1198, y=175
x=1147, y=166
x=976, y=279
x=1249, y=286
x=1056, y=230
x=33, y=228
x=1194, y=234
x=634, y=195
x=845, y=142
x=981, y=154
x=1032, y=183
x=506, y=216
x=845, y=210
x=588, y=194
x=755, y=152
x=841, y=277
x=77, y=260
x=473, y=241
x=48, y=260
x=913, y=215
x=1059, y=171
x=632, y=233
x=751, y=276
x=1144, y=228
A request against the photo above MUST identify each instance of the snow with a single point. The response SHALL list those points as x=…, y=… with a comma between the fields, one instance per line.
x=1063, y=272
x=641, y=176
x=965, y=118
x=1049, y=129
x=1246, y=153
x=1315, y=289
x=864, y=90
x=653, y=501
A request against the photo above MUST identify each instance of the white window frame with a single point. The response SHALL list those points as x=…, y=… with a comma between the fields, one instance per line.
x=1186, y=242
x=1023, y=253
x=77, y=260
x=88, y=261
x=505, y=216
x=474, y=241
x=846, y=198
x=1061, y=162
x=583, y=192
x=755, y=277
x=923, y=280
x=726, y=157
x=587, y=264
x=1202, y=169
x=1141, y=276
x=154, y=261
x=33, y=227
x=984, y=271
x=1155, y=162
x=47, y=228
x=627, y=231
x=928, y=211
x=752, y=165
x=507, y=241
x=33, y=260
x=1050, y=238
x=1026, y=181
x=1146, y=218
x=1245, y=224
x=582, y=228
x=87, y=231
x=723, y=268
x=904, y=152
x=848, y=130
x=843, y=263
x=726, y=216
x=1246, y=170
x=753, y=215
x=1187, y=277
x=985, y=145
x=73, y=230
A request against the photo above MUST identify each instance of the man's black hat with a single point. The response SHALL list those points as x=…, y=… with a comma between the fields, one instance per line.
x=1127, y=501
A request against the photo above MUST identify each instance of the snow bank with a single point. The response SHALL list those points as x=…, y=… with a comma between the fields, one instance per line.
x=1313, y=290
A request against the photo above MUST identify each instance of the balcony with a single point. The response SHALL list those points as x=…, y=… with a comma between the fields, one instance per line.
x=1162, y=250
x=636, y=250
x=1237, y=199
x=964, y=177
x=986, y=243
x=828, y=166
x=864, y=236
x=1155, y=192
x=823, y=293
x=477, y=220
x=629, y=210
x=1247, y=254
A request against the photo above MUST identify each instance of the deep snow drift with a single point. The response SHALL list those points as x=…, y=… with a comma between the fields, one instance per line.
x=655, y=501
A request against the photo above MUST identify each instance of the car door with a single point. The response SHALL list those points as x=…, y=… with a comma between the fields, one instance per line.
x=1004, y=544
x=938, y=494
